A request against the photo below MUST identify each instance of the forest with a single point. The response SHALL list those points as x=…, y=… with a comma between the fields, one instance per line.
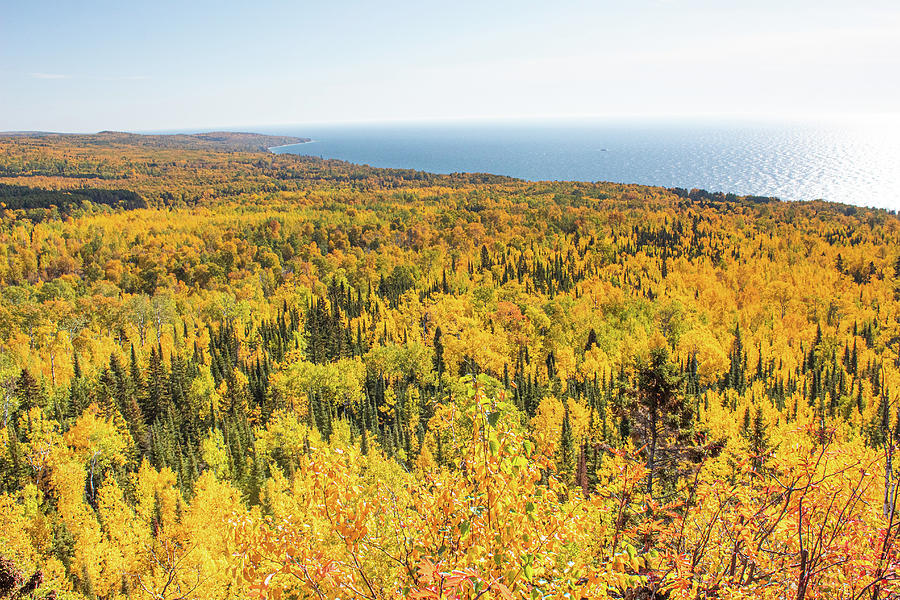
x=227, y=373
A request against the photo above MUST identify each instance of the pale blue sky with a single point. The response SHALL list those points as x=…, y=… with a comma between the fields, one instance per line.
x=132, y=65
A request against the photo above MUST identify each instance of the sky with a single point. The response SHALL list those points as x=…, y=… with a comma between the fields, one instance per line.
x=133, y=65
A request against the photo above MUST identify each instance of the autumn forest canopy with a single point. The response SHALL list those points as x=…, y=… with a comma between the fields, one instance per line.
x=226, y=373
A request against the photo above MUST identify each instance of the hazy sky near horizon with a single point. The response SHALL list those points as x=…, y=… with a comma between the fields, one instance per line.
x=134, y=65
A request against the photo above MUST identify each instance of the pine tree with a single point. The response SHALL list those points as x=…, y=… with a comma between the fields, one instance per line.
x=551, y=366
x=485, y=258
x=78, y=392
x=135, y=370
x=136, y=425
x=566, y=446
x=745, y=425
x=591, y=341
x=256, y=479
x=655, y=413
x=880, y=426
x=759, y=441
x=29, y=391
x=438, y=352
x=152, y=406
x=735, y=378
x=364, y=443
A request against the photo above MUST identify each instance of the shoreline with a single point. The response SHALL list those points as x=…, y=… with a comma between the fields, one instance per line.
x=271, y=148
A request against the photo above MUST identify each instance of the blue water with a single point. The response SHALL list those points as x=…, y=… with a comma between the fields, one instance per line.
x=851, y=161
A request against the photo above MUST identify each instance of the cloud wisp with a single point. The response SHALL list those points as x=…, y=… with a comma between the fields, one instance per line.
x=49, y=76
x=90, y=78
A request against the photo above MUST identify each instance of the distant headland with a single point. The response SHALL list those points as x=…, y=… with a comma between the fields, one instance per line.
x=215, y=140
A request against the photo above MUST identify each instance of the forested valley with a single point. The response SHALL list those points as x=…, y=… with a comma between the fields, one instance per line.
x=226, y=373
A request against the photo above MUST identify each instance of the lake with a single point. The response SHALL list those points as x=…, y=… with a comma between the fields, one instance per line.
x=855, y=161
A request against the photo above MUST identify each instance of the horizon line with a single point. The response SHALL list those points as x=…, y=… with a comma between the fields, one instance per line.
x=833, y=116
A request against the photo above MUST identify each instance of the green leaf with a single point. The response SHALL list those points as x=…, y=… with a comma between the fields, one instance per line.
x=464, y=528
x=493, y=417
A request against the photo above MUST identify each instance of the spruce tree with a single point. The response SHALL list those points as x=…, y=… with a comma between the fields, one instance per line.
x=438, y=352
x=745, y=425
x=566, y=446
x=136, y=425
x=29, y=391
x=591, y=340
x=134, y=370
x=659, y=418
x=78, y=391
x=581, y=471
x=364, y=443
x=759, y=441
x=152, y=405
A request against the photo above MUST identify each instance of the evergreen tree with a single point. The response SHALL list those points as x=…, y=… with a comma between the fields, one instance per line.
x=134, y=370
x=659, y=418
x=29, y=391
x=880, y=426
x=566, y=446
x=735, y=378
x=364, y=443
x=745, y=425
x=591, y=341
x=153, y=397
x=759, y=441
x=438, y=352
x=485, y=258
x=78, y=390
